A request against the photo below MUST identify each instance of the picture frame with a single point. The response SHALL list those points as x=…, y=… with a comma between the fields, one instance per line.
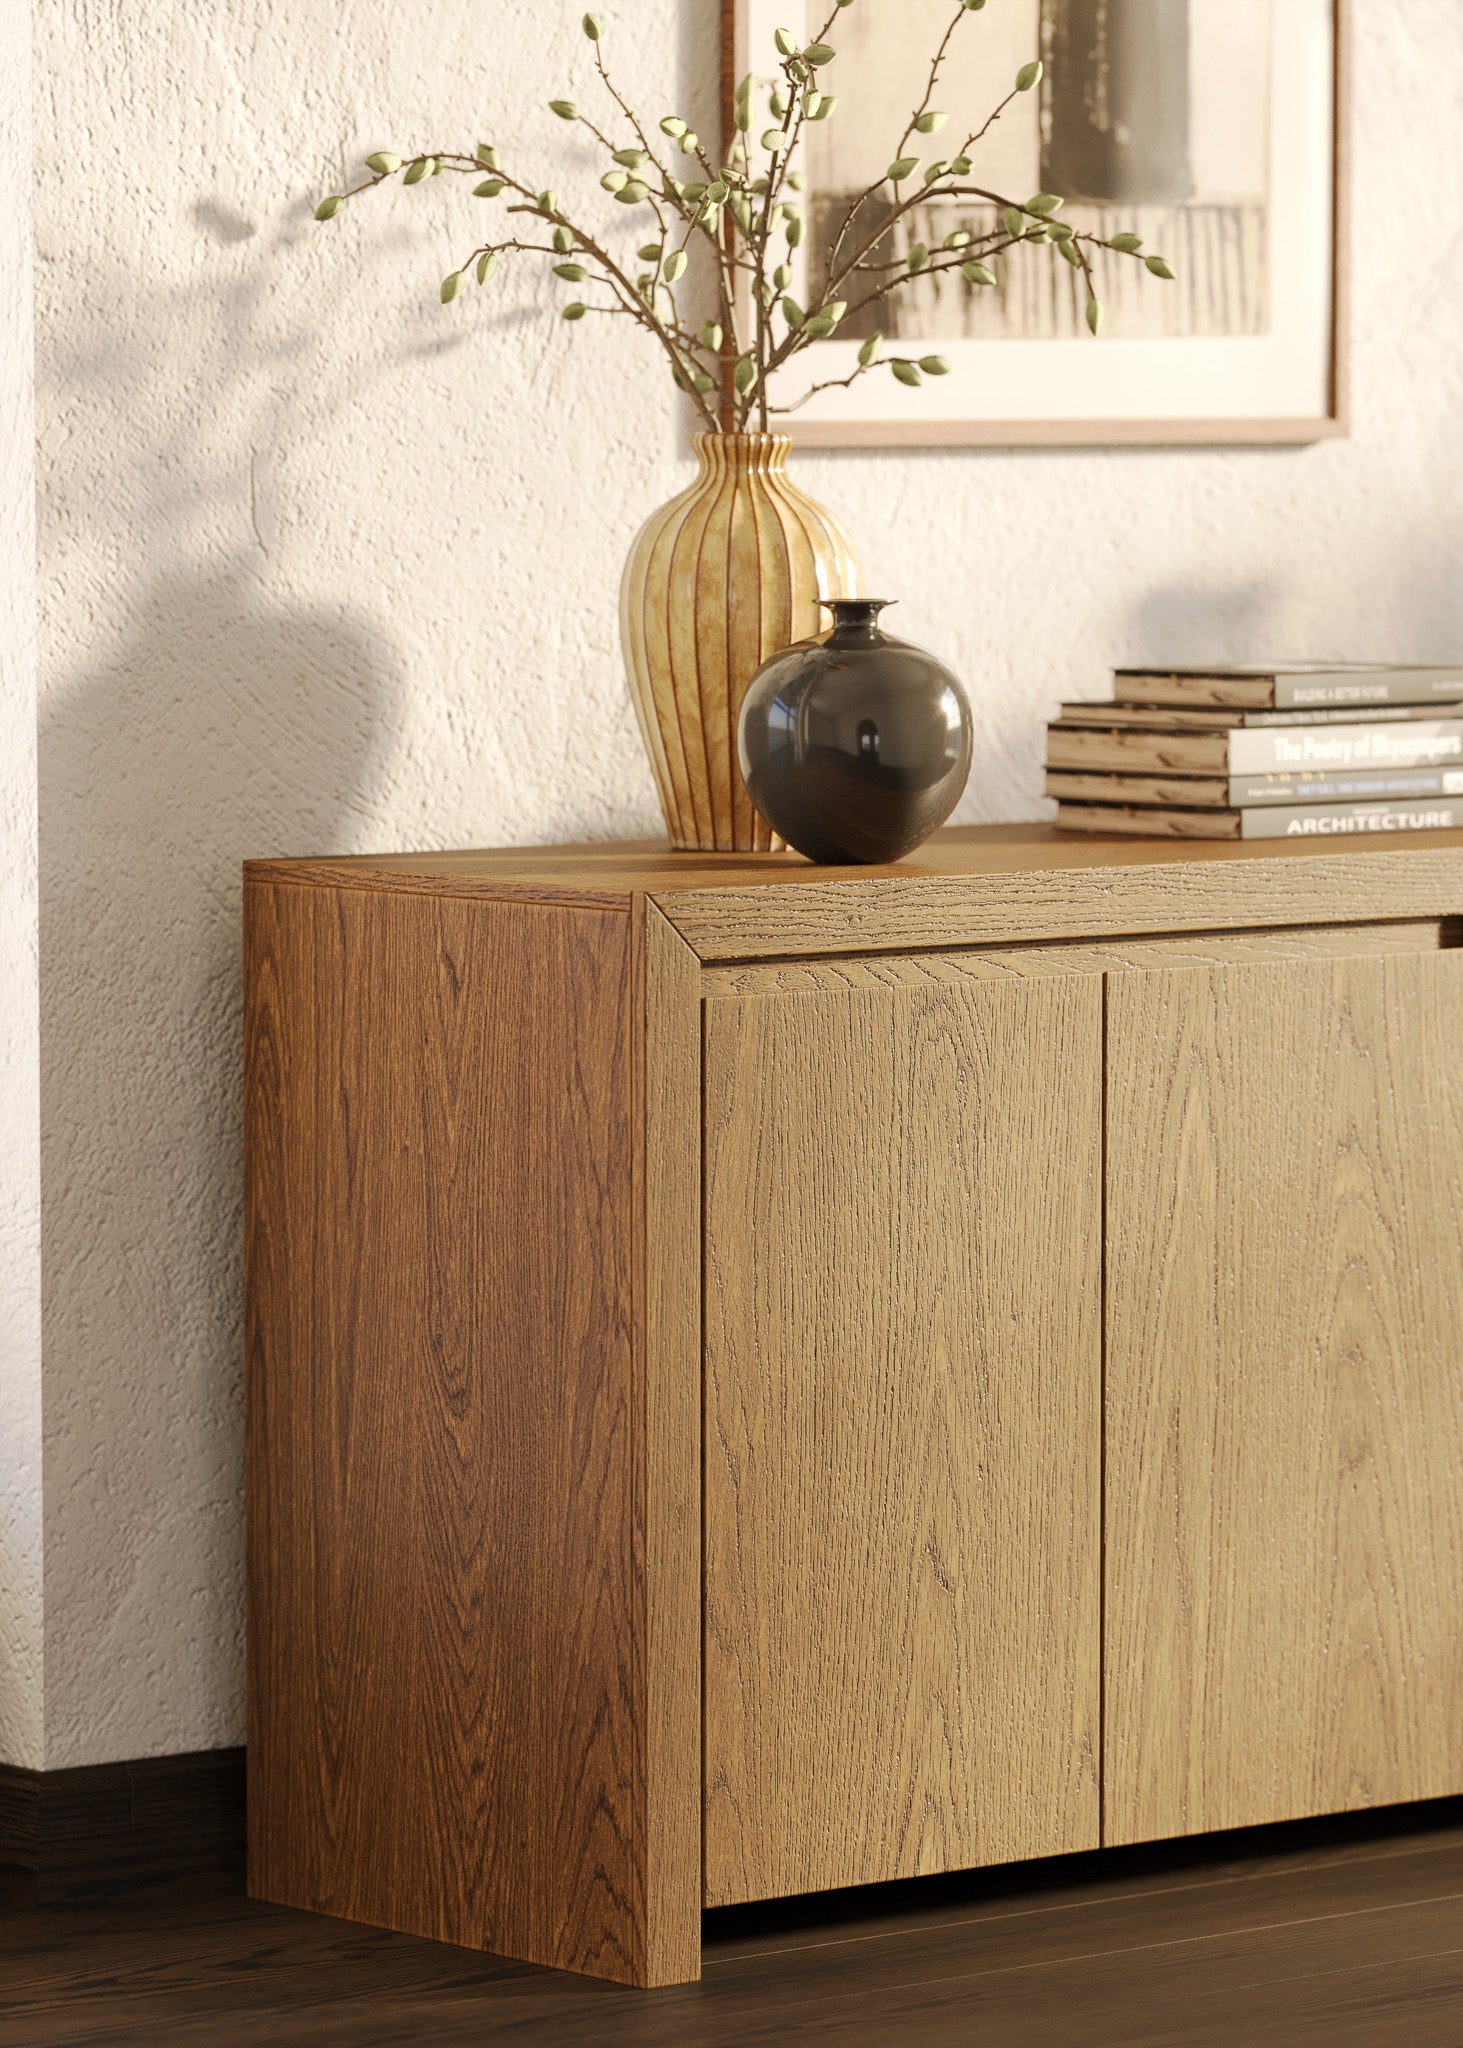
x=1275, y=370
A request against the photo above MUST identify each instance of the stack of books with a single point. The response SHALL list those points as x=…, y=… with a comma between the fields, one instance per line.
x=1262, y=753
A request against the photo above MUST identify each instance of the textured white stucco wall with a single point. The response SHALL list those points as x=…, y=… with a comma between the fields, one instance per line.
x=326, y=566
x=21, y=1642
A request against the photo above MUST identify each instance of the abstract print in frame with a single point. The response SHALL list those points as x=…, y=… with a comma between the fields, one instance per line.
x=1213, y=128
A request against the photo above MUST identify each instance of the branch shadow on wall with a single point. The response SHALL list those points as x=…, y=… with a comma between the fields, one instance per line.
x=221, y=726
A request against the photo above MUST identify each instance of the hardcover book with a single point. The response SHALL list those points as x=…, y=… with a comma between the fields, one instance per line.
x=1219, y=718
x=1235, y=792
x=1266, y=750
x=1263, y=821
x=1292, y=686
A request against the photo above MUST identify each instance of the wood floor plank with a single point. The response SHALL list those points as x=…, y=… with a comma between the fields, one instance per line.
x=1323, y=1942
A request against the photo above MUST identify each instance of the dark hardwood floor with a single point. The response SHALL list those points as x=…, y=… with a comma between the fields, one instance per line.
x=1337, y=1932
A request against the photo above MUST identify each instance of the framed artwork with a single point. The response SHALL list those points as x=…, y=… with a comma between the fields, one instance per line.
x=1215, y=129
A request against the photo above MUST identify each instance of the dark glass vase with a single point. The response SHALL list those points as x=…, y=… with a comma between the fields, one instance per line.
x=856, y=748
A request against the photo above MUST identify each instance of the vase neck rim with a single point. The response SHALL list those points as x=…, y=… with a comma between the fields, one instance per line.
x=743, y=451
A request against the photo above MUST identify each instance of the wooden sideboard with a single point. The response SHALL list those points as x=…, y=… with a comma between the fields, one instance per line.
x=764, y=1378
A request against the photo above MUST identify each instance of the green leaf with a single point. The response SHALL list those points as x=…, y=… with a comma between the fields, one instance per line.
x=1094, y=315
x=672, y=125
x=977, y=273
x=488, y=189
x=778, y=102
x=593, y=27
x=1128, y=244
x=929, y=122
x=632, y=193
x=819, y=53
x=329, y=208
x=615, y=181
x=548, y=202
x=675, y=266
x=918, y=257
x=773, y=140
x=650, y=253
x=960, y=166
x=487, y=265
x=703, y=383
x=488, y=157
x=972, y=6
x=811, y=103
x=794, y=231
x=632, y=159
x=1028, y=75
x=959, y=240
x=1015, y=222
x=902, y=167
x=436, y=166
x=1066, y=249
x=936, y=366
x=786, y=41
x=711, y=336
x=819, y=327
x=383, y=163
x=572, y=273
x=744, y=376
x=782, y=277
x=417, y=170
x=1043, y=202
x=689, y=143
x=935, y=170
x=1060, y=230
x=793, y=314
x=1157, y=265
x=563, y=240
x=870, y=350
x=574, y=312
x=565, y=109
x=451, y=286
x=905, y=371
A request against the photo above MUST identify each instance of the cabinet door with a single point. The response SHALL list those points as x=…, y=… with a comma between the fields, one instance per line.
x=1284, y=1589
x=902, y=1408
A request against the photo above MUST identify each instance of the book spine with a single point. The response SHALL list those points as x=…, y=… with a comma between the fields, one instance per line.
x=1334, y=821
x=1350, y=714
x=1406, y=686
x=1424, y=743
x=1373, y=785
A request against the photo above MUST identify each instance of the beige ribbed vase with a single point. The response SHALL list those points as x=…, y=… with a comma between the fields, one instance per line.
x=719, y=579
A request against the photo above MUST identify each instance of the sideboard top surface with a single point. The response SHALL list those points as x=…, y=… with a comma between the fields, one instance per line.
x=970, y=885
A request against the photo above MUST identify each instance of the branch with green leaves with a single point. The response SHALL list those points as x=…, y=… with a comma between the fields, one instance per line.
x=737, y=225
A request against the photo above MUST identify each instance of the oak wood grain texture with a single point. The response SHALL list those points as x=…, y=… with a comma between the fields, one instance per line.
x=669, y=1430
x=445, y=1624
x=923, y=970
x=969, y=886
x=1284, y=1391
x=902, y=1418
x=726, y=574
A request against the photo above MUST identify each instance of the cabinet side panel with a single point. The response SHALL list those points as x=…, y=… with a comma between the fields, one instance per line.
x=672, y=1440
x=444, y=1625
x=1285, y=1391
x=902, y=1431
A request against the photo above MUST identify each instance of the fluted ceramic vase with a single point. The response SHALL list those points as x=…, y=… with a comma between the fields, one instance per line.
x=717, y=581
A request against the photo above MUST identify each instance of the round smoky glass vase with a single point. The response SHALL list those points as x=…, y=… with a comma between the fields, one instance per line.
x=857, y=747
